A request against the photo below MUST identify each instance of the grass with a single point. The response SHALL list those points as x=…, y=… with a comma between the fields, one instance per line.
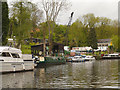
x=26, y=49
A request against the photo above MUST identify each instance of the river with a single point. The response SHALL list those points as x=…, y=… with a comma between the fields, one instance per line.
x=90, y=74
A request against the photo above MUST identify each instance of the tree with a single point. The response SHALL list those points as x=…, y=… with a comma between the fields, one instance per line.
x=5, y=22
x=36, y=17
x=103, y=29
x=115, y=42
x=90, y=19
x=43, y=26
x=27, y=16
x=77, y=34
x=20, y=13
x=52, y=9
x=92, y=41
x=59, y=33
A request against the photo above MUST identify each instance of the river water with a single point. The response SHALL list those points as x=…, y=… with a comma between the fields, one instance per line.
x=90, y=74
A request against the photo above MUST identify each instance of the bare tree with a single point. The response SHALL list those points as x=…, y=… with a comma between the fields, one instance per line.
x=52, y=8
x=36, y=15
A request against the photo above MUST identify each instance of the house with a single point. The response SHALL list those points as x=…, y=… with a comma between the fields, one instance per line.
x=82, y=49
x=103, y=44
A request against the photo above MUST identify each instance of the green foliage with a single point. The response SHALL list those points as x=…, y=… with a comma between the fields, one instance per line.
x=5, y=22
x=26, y=49
x=92, y=41
x=90, y=19
x=77, y=34
x=115, y=42
x=59, y=33
x=20, y=20
x=66, y=52
x=24, y=19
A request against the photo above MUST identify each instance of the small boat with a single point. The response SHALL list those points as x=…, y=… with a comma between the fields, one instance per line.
x=111, y=56
x=78, y=59
x=69, y=59
x=12, y=60
x=89, y=58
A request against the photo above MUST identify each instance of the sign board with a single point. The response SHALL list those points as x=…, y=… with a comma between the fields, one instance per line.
x=41, y=58
x=40, y=53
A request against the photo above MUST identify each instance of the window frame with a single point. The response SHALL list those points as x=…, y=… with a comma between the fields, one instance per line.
x=5, y=54
x=16, y=55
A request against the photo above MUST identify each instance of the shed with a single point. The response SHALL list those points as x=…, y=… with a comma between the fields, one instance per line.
x=57, y=48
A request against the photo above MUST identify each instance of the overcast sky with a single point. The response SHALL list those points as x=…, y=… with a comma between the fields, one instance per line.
x=101, y=8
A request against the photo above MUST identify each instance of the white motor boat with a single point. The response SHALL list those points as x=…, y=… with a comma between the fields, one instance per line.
x=111, y=56
x=89, y=58
x=12, y=60
x=78, y=59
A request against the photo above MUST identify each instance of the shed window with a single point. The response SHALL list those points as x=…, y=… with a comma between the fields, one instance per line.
x=15, y=55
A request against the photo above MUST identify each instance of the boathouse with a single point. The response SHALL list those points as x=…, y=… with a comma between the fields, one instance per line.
x=57, y=48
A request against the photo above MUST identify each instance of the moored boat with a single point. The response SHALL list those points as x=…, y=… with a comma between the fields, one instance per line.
x=111, y=56
x=49, y=61
x=78, y=59
x=11, y=60
x=89, y=58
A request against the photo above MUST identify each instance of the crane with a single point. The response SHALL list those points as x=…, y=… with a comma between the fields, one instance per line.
x=69, y=23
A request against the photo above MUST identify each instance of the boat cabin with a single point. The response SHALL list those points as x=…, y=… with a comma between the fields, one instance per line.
x=10, y=54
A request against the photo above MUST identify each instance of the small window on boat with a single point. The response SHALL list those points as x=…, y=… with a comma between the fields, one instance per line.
x=15, y=55
x=5, y=54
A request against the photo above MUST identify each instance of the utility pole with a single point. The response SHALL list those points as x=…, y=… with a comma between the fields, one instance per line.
x=69, y=23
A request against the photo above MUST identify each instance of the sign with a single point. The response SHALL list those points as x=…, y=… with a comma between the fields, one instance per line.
x=110, y=43
x=40, y=53
x=42, y=59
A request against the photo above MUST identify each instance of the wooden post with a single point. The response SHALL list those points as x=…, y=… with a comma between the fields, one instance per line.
x=44, y=45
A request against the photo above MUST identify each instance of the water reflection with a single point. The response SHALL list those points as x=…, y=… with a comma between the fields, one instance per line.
x=92, y=74
x=18, y=80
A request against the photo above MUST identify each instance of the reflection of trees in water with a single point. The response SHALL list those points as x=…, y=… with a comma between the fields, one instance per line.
x=102, y=73
x=92, y=74
x=18, y=80
x=45, y=76
x=39, y=77
x=77, y=75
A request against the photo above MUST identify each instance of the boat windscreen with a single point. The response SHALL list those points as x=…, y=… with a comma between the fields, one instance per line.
x=0, y=53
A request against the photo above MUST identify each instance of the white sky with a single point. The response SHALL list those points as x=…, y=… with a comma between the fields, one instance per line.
x=101, y=8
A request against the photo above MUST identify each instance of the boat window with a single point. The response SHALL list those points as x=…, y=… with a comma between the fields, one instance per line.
x=106, y=55
x=15, y=55
x=5, y=54
x=112, y=55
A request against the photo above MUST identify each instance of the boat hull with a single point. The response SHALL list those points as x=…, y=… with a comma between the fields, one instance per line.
x=110, y=57
x=50, y=62
x=8, y=67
